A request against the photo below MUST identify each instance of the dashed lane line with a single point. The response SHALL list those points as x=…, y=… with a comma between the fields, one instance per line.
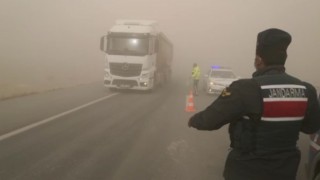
x=52, y=118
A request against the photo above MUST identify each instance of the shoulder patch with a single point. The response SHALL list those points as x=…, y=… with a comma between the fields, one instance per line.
x=225, y=92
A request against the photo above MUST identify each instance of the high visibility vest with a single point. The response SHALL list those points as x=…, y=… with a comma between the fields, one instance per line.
x=196, y=73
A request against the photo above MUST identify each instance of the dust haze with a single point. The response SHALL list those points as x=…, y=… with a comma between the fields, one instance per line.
x=52, y=44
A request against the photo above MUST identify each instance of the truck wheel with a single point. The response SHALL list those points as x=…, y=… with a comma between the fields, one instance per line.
x=159, y=80
x=153, y=88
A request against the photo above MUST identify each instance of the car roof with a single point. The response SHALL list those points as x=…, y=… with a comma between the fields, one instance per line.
x=221, y=69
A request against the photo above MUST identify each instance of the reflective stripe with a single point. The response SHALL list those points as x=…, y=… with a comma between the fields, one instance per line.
x=315, y=145
x=315, y=139
x=277, y=118
x=274, y=119
x=283, y=86
x=284, y=99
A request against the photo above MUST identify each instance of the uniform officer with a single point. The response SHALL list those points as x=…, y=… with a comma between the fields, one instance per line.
x=195, y=77
x=265, y=113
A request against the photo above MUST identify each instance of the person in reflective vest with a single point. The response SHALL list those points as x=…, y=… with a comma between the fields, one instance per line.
x=265, y=115
x=195, y=78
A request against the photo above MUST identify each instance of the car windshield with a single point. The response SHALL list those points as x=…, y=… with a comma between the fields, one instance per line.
x=222, y=74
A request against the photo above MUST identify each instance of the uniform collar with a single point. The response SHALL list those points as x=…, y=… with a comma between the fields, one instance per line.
x=276, y=69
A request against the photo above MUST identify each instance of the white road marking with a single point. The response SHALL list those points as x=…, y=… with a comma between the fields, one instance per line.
x=179, y=151
x=31, y=126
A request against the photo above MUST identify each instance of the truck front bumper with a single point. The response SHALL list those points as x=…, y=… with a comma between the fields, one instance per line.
x=133, y=83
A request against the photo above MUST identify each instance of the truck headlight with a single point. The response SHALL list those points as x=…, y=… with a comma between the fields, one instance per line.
x=144, y=76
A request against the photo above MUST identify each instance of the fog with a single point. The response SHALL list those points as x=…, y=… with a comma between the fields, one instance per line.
x=53, y=44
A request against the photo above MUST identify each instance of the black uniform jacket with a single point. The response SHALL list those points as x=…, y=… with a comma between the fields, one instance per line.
x=272, y=158
x=243, y=98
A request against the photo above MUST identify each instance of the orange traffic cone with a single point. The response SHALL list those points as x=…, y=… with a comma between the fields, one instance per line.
x=189, y=103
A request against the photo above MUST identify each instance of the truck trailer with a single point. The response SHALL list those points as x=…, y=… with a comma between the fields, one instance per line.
x=138, y=56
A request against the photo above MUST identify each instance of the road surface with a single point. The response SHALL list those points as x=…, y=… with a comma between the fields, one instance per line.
x=89, y=133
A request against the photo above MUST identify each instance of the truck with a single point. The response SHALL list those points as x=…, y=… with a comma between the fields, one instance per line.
x=138, y=55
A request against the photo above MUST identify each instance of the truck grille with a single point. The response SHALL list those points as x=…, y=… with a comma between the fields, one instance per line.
x=122, y=82
x=125, y=69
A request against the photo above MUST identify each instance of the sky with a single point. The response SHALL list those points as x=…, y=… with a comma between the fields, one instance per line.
x=50, y=44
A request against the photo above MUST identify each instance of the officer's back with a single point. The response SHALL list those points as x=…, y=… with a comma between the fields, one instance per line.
x=265, y=113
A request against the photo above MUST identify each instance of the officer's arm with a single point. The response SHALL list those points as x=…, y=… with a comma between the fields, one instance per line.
x=311, y=122
x=227, y=108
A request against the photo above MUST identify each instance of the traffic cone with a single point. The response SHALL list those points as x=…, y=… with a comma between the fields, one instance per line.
x=189, y=103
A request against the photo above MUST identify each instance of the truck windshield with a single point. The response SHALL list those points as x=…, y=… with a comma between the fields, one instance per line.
x=222, y=74
x=135, y=46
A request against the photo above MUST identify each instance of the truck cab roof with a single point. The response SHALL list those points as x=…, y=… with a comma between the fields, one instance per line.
x=135, y=26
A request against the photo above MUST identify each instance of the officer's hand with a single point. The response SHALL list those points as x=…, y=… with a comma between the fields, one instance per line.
x=190, y=122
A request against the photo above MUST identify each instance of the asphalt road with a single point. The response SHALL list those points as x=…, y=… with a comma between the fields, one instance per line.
x=89, y=133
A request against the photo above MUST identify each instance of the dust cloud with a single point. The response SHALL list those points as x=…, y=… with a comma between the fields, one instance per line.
x=52, y=44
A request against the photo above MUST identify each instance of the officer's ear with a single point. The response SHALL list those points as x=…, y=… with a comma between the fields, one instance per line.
x=258, y=62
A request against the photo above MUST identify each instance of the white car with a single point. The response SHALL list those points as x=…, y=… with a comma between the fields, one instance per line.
x=217, y=79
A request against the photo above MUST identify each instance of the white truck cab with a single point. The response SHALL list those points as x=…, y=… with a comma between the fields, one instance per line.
x=138, y=56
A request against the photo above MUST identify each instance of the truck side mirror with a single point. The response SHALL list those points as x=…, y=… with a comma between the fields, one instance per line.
x=103, y=43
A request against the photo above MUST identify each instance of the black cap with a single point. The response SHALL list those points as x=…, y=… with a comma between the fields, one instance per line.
x=272, y=46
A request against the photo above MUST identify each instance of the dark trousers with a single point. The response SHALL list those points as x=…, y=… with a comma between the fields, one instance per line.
x=195, y=86
x=248, y=166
